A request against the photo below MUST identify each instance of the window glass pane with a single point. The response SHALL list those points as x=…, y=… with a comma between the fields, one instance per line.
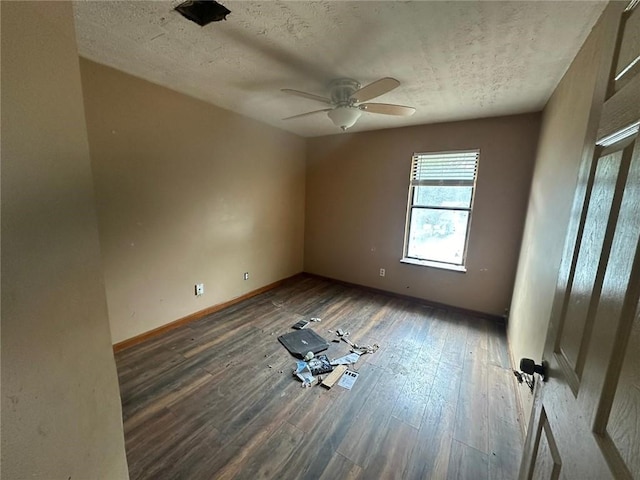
x=437, y=235
x=442, y=196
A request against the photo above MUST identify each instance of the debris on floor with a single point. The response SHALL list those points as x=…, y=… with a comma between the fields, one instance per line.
x=320, y=365
x=303, y=323
x=299, y=342
x=346, y=359
x=306, y=344
x=348, y=379
x=300, y=325
x=334, y=376
x=303, y=372
x=346, y=340
x=361, y=350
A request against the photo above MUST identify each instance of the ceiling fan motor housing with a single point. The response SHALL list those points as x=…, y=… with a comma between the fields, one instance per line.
x=342, y=89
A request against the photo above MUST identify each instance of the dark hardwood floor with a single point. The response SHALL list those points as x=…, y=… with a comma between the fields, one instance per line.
x=216, y=398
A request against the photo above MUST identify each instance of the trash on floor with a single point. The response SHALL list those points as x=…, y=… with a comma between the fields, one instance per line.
x=334, y=376
x=303, y=372
x=300, y=325
x=349, y=342
x=299, y=342
x=348, y=379
x=361, y=350
x=346, y=359
x=320, y=365
x=315, y=319
x=306, y=344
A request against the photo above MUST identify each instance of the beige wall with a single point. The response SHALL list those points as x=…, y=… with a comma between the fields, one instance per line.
x=187, y=193
x=61, y=414
x=357, y=199
x=563, y=133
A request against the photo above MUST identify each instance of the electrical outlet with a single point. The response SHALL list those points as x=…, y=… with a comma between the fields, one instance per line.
x=246, y=275
x=382, y=272
x=199, y=289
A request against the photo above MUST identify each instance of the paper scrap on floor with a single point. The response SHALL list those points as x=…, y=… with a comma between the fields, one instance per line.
x=348, y=379
x=303, y=372
x=320, y=365
x=361, y=350
x=346, y=360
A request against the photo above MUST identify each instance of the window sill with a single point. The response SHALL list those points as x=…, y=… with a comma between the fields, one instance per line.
x=427, y=263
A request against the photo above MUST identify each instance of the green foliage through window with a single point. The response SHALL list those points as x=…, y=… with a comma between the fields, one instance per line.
x=440, y=204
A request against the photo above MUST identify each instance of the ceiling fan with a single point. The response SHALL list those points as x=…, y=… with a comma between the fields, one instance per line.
x=346, y=101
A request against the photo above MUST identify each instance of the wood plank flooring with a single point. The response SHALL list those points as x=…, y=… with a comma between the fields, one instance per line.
x=215, y=399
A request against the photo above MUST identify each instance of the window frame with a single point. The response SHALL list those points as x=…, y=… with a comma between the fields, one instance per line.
x=413, y=184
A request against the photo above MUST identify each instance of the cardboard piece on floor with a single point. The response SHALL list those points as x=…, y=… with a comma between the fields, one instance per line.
x=334, y=376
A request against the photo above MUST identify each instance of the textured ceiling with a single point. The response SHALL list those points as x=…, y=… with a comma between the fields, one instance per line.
x=455, y=60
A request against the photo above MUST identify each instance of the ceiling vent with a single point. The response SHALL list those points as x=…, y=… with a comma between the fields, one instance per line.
x=203, y=12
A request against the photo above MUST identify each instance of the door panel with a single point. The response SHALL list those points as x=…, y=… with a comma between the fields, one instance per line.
x=547, y=463
x=576, y=328
x=629, y=46
x=585, y=423
x=623, y=426
x=618, y=412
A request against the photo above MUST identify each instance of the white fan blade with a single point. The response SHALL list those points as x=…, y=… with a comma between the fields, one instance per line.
x=308, y=113
x=311, y=96
x=375, y=89
x=387, y=109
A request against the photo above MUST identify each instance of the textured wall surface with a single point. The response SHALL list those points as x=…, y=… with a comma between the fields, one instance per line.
x=456, y=60
x=562, y=136
x=61, y=415
x=187, y=193
x=357, y=199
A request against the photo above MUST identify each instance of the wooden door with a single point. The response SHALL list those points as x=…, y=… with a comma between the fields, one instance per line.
x=585, y=422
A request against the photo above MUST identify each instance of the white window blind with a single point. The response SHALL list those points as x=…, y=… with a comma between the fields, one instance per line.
x=440, y=204
x=444, y=168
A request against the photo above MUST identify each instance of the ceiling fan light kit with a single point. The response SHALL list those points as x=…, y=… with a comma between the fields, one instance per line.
x=346, y=98
x=344, y=117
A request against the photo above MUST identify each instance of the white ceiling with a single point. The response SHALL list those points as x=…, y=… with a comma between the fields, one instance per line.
x=455, y=60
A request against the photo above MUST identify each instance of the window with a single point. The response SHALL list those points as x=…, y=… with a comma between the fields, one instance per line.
x=439, y=208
